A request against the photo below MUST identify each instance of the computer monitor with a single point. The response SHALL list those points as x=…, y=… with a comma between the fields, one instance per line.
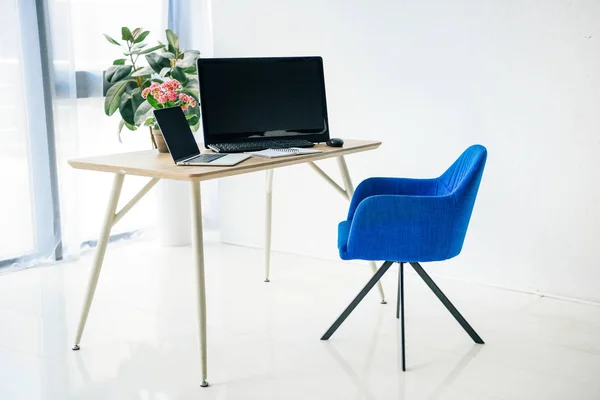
x=256, y=98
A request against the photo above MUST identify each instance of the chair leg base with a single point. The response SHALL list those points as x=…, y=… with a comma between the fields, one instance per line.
x=449, y=306
x=400, y=304
x=400, y=312
x=361, y=295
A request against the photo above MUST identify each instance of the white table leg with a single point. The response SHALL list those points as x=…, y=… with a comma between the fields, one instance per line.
x=268, y=214
x=198, y=249
x=349, y=192
x=109, y=218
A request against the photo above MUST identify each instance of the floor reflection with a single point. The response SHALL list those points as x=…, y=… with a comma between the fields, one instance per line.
x=360, y=380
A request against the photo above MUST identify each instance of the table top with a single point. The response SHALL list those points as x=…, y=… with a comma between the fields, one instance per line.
x=153, y=164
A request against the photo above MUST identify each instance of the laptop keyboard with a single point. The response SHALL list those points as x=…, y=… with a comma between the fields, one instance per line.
x=204, y=158
x=257, y=145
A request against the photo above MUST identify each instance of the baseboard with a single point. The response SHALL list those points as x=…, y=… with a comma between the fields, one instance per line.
x=526, y=291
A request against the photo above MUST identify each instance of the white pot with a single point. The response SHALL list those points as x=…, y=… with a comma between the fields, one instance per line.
x=174, y=213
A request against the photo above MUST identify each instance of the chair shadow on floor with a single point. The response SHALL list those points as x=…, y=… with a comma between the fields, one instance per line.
x=360, y=381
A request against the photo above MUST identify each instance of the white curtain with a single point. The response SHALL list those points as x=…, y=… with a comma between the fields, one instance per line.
x=80, y=54
x=72, y=39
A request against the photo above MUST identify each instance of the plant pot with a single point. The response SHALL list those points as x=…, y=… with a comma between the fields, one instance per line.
x=159, y=140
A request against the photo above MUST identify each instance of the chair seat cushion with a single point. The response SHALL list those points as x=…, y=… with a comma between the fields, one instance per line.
x=343, y=233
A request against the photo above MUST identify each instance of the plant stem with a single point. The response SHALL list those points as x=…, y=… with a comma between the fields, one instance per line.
x=138, y=79
x=154, y=146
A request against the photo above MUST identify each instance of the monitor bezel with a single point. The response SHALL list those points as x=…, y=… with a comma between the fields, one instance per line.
x=210, y=138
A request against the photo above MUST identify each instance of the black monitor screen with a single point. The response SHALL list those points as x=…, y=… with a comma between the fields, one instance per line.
x=263, y=97
x=177, y=133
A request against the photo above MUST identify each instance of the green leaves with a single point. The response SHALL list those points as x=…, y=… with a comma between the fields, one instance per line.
x=126, y=33
x=143, y=71
x=192, y=114
x=165, y=71
x=128, y=81
x=188, y=60
x=113, y=96
x=160, y=46
x=153, y=102
x=129, y=104
x=157, y=62
x=191, y=92
x=111, y=40
x=192, y=84
x=141, y=37
x=150, y=121
x=179, y=74
x=173, y=41
x=116, y=73
x=143, y=113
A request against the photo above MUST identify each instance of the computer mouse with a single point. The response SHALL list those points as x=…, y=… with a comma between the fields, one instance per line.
x=335, y=142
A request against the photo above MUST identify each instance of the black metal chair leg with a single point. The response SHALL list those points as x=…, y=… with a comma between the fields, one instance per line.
x=382, y=270
x=401, y=303
x=400, y=268
x=440, y=295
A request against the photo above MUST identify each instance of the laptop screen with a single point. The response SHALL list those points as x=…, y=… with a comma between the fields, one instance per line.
x=177, y=133
x=248, y=98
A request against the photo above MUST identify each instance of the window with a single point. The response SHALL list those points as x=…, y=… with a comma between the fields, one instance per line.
x=17, y=230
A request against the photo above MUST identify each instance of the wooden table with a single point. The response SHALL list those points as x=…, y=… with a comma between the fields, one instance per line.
x=158, y=166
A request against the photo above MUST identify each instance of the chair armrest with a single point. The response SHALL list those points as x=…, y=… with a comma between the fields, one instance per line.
x=391, y=186
x=388, y=226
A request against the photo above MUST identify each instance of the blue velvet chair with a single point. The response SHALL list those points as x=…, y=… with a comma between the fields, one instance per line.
x=411, y=221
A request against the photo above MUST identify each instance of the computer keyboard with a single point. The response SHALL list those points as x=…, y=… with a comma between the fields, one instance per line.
x=256, y=145
x=204, y=158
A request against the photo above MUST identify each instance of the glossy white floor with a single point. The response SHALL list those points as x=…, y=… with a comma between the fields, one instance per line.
x=140, y=341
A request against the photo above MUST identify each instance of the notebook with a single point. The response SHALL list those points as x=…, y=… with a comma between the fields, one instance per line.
x=292, y=151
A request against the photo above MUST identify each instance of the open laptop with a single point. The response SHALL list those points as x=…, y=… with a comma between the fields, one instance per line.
x=182, y=145
x=251, y=104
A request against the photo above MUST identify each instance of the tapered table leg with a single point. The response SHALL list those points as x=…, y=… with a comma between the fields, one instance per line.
x=198, y=250
x=349, y=187
x=268, y=208
x=109, y=218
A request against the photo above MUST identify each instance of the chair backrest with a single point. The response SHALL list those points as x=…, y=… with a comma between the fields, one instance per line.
x=466, y=170
x=461, y=181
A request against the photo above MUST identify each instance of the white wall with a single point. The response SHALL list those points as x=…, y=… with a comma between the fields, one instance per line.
x=429, y=78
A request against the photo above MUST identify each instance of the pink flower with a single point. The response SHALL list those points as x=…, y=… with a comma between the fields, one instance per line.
x=172, y=96
x=193, y=103
x=184, y=107
x=154, y=86
x=182, y=96
x=145, y=92
x=162, y=99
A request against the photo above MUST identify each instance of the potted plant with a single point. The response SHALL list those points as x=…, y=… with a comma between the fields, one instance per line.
x=164, y=95
x=135, y=90
x=129, y=79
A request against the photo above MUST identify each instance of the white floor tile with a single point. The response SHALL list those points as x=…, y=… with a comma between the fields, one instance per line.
x=140, y=341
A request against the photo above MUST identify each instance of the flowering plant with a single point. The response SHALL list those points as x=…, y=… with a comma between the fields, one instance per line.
x=127, y=79
x=165, y=95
